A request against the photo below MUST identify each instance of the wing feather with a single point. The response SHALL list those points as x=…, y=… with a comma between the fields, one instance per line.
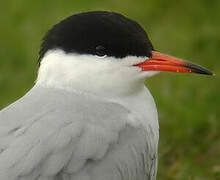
x=50, y=131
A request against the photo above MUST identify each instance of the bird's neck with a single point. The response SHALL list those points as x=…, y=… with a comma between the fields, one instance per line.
x=92, y=79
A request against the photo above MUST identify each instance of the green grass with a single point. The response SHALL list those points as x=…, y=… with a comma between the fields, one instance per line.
x=188, y=105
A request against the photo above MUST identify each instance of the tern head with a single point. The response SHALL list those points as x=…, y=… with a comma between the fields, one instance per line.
x=104, y=52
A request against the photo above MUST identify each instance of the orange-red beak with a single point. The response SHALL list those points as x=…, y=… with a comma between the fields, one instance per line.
x=163, y=62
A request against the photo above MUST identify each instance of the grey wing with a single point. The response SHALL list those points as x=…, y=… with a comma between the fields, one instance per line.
x=32, y=131
x=54, y=135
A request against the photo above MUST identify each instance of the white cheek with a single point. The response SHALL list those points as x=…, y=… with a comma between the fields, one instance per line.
x=90, y=72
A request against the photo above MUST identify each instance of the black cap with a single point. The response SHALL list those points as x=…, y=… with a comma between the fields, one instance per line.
x=98, y=33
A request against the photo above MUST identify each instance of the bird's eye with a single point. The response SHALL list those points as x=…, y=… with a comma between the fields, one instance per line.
x=100, y=51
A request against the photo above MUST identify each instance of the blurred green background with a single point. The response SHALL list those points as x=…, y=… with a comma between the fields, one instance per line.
x=188, y=105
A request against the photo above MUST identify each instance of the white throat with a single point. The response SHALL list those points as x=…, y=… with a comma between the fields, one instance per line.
x=91, y=74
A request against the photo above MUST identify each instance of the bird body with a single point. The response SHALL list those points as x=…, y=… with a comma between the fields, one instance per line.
x=55, y=134
x=89, y=115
